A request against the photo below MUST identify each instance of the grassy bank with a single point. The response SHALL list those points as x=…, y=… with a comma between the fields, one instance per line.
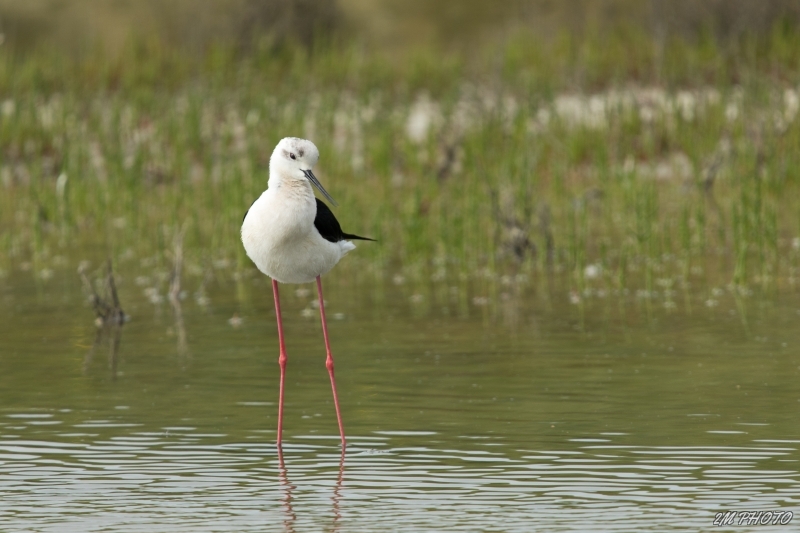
x=616, y=159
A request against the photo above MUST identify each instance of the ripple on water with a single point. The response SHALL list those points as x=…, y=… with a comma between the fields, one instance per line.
x=205, y=482
x=538, y=429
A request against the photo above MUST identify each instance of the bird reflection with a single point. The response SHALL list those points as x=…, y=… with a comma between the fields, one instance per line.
x=288, y=488
x=288, y=510
x=337, y=494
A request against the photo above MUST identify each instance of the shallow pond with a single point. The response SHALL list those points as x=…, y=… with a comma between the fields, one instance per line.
x=521, y=413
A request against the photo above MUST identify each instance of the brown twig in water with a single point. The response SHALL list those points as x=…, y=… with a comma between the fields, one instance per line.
x=109, y=321
x=107, y=312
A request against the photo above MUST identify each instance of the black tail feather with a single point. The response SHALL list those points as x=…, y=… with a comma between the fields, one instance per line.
x=357, y=237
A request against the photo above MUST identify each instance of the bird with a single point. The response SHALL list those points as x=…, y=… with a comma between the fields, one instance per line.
x=293, y=237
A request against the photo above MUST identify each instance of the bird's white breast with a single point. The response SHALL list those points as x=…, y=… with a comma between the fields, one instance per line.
x=278, y=234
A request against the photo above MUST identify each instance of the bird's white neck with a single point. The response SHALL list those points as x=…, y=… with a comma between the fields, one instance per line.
x=290, y=186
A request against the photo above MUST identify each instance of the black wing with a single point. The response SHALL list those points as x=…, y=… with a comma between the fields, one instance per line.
x=329, y=227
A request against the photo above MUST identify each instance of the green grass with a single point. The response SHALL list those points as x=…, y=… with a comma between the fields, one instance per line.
x=646, y=164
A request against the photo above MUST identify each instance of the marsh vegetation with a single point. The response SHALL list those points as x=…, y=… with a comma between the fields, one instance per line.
x=624, y=162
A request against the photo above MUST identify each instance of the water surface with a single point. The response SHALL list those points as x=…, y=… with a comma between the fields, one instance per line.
x=505, y=414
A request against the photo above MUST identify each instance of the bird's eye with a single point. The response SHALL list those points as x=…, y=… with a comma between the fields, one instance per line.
x=292, y=156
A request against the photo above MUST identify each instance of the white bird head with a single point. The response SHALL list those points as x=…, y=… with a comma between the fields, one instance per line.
x=293, y=159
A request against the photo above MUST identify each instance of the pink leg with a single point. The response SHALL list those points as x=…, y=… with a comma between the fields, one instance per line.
x=329, y=360
x=281, y=359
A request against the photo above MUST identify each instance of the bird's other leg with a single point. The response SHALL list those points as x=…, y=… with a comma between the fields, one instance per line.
x=281, y=358
x=329, y=359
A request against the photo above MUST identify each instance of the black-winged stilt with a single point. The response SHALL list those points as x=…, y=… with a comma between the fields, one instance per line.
x=293, y=237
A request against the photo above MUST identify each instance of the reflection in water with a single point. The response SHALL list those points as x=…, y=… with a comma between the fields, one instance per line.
x=110, y=317
x=741, y=309
x=288, y=488
x=337, y=493
x=175, y=293
x=106, y=306
x=136, y=478
x=631, y=425
x=286, y=499
x=109, y=332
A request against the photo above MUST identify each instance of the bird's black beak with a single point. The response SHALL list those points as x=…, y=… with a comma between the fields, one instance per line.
x=313, y=179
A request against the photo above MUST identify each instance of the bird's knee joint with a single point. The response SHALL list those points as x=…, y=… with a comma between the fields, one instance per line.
x=329, y=364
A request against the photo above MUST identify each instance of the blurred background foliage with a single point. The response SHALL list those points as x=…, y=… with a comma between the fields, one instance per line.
x=474, y=136
x=575, y=44
x=80, y=25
